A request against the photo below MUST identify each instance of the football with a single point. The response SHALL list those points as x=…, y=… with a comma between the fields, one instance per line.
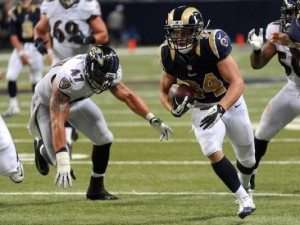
x=178, y=92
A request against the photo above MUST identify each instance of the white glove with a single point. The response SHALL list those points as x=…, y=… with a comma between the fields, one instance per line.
x=256, y=41
x=63, y=176
x=212, y=116
x=161, y=127
x=182, y=108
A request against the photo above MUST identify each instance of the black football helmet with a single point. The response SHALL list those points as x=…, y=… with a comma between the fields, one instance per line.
x=287, y=12
x=101, y=65
x=68, y=3
x=183, y=28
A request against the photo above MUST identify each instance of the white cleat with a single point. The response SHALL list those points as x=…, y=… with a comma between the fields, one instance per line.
x=18, y=177
x=246, y=206
x=12, y=110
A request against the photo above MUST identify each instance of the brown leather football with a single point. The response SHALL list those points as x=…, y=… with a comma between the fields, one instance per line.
x=178, y=92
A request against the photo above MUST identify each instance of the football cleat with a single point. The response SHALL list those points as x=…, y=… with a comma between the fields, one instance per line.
x=96, y=190
x=246, y=207
x=12, y=110
x=40, y=163
x=18, y=177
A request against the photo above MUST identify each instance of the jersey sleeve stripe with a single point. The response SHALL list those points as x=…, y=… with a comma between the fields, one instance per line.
x=212, y=43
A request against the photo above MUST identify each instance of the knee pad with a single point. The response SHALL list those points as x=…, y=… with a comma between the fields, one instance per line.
x=105, y=138
x=246, y=166
x=248, y=163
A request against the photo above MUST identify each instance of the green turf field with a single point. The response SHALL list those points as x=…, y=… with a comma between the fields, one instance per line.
x=158, y=183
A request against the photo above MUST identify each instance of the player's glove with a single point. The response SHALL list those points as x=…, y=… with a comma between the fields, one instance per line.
x=212, y=116
x=63, y=176
x=256, y=41
x=40, y=44
x=82, y=40
x=182, y=108
x=161, y=127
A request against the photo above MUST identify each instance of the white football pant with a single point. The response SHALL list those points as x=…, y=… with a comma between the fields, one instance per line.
x=235, y=124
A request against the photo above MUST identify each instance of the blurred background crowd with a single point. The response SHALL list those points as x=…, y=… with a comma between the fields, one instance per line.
x=140, y=22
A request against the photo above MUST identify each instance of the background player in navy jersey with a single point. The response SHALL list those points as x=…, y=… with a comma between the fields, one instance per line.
x=23, y=18
x=201, y=58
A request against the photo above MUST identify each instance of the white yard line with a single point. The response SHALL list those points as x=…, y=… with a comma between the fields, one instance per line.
x=263, y=194
x=156, y=140
x=30, y=161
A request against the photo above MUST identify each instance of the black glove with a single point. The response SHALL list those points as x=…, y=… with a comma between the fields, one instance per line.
x=211, y=117
x=40, y=44
x=82, y=40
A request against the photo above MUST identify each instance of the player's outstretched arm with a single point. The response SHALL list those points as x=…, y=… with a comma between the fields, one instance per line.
x=59, y=110
x=138, y=106
x=262, y=52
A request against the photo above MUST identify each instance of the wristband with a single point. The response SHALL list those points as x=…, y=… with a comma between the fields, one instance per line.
x=150, y=116
x=50, y=51
x=21, y=52
x=63, y=149
x=257, y=52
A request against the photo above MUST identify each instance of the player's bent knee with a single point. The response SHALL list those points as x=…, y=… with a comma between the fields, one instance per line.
x=106, y=138
x=246, y=166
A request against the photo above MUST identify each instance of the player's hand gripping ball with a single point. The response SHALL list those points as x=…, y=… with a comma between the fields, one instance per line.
x=181, y=97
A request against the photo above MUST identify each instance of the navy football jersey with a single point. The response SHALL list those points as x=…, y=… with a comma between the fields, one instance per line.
x=200, y=69
x=22, y=22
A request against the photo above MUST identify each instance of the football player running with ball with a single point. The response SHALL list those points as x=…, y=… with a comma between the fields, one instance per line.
x=201, y=58
x=285, y=106
x=64, y=94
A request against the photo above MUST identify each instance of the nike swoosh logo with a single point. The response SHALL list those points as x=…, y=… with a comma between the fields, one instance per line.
x=237, y=105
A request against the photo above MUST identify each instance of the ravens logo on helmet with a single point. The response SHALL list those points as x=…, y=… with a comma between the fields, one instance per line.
x=101, y=66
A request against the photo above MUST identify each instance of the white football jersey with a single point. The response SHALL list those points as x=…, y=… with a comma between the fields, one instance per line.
x=64, y=23
x=71, y=80
x=290, y=64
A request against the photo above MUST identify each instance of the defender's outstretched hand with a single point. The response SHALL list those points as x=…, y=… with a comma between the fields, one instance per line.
x=161, y=127
x=256, y=41
x=63, y=176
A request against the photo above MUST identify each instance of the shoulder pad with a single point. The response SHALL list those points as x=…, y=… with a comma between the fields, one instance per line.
x=47, y=7
x=160, y=54
x=33, y=8
x=12, y=13
x=272, y=28
x=219, y=43
x=90, y=8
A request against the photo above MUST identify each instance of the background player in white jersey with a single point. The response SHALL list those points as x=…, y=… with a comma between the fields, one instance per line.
x=74, y=26
x=63, y=94
x=201, y=58
x=285, y=106
x=23, y=18
x=10, y=164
